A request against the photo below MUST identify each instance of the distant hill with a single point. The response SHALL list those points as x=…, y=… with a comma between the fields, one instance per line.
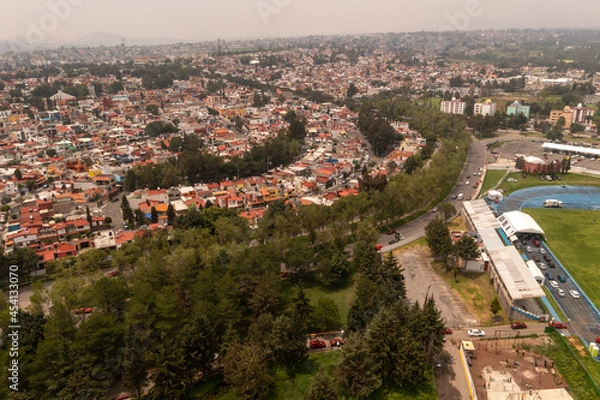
x=91, y=40
x=111, y=39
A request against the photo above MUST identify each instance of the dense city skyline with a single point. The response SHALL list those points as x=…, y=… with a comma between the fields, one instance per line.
x=43, y=22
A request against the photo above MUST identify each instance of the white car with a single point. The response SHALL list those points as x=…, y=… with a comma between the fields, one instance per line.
x=542, y=251
x=475, y=332
x=542, y=266
x=554, y=284
x=574, y=293
x=561, y=293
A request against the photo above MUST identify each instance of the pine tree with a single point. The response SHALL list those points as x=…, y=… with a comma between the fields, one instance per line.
x=321, y=389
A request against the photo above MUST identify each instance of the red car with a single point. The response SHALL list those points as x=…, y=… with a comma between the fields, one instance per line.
x=379, y=247
x=518, y=325
x=598, y=340
x=317, y=344
x=558, y=325
x=391, y=231
x=83, y=310
x=446, y=331
x=337, y=342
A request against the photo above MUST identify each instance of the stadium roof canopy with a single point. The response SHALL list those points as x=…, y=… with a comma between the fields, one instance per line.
x=517, y=222
x=572, y=149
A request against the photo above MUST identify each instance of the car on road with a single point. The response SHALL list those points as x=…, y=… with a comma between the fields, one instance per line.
x=390, y=231
x=598, y=340
x=550, y=276
x=542, y=265
x=337, y=342
x=454, y=196
x=467, y=183
x=557, y=325
x=394, y=241
x=475, y=332
x=574, y=294
x=561, y=278
x=445, y=331
x=561, y=292
x=542, y=251
x=460, y=197
x=317, y=344
x=518, y=325
x=554, y=284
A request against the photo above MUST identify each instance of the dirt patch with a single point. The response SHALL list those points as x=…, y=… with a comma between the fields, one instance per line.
x=507, y=365
x=576, y=343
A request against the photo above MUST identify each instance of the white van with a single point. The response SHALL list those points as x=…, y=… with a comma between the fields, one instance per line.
x=460, y=196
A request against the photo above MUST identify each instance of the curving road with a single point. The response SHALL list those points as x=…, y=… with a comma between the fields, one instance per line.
x=414, y=230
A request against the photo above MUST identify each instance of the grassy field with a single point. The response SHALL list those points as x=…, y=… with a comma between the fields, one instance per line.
x=342, y=297
x=294, y=387
x=565, y=357
x=532, y=180
x=474, y=289
x=574, y=238
x=492, y=177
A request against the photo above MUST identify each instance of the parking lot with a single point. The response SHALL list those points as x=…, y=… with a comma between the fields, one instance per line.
x=583, y=318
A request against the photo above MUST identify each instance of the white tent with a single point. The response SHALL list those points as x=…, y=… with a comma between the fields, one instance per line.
x=495, y=195
x=62, y=96
x=517, y=222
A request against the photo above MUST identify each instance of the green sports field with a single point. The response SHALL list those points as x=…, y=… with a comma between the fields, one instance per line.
x=574, y=237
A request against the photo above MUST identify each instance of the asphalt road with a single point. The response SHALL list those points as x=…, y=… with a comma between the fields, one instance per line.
x=414, y=230
x=583, y=319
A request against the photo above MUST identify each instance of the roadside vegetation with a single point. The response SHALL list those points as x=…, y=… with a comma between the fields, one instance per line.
x=492, y=177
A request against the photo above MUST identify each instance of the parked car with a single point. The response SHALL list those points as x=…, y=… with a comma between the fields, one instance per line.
x=598, y=340
x=561, y=292
x=475, y=332
x=557, y=325
x=542, y=250
x=317, y=344
x=394, y=241
x=550, y=276
x=337, y=342
x=561, y=278
x=391, y=231
x=536, y=243
x=446, y=331
x=554, y=284
x=574, y=294
x=529, y=249
x=542, y=265
x=518, y=325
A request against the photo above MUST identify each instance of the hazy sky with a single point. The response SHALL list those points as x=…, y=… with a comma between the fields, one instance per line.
x=68, y=20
